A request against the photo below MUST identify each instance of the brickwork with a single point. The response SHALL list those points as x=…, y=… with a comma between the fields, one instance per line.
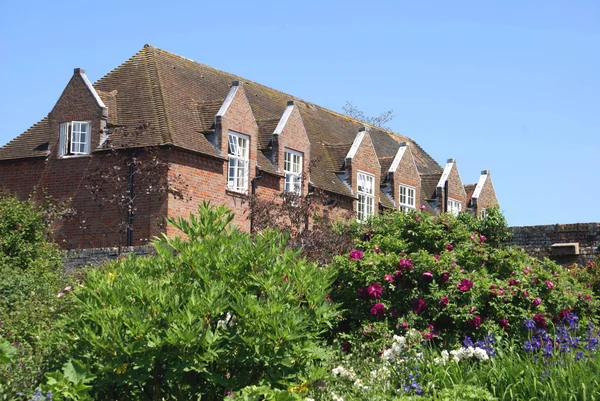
x=79, y=258
x=537, y=240
x=365, y=161
x=406, y=173
x=487, y=197
x=294, y=137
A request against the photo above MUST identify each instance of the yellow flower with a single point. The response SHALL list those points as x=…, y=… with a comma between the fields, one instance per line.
x=123, y=368
x=111, y=277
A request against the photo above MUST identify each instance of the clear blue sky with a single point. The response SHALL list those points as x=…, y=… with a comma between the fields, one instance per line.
x=512, y=87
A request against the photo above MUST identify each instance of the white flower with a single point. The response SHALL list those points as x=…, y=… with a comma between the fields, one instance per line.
x=334, y=397
x=481, y=354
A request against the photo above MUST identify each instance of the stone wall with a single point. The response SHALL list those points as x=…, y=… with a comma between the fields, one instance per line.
x=538, y=241
x=77, y=258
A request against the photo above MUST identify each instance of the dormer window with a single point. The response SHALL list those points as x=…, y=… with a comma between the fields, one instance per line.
x=75, y=138
x=239, y=162
x=366, y=196
x=407, y=198
x=454, y=206
x=292, y=166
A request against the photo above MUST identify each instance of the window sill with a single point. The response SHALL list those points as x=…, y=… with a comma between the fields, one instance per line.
x=238, y=194
x=74, y=156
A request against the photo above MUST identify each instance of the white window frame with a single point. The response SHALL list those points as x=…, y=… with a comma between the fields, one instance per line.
x=407, y=201
x=238, y=167
x=292, y=166
x=365, y=206
x=483, y=213
x=75, y=138
x=454, y=206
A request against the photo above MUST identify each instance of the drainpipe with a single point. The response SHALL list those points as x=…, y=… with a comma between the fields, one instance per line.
x=258, y=176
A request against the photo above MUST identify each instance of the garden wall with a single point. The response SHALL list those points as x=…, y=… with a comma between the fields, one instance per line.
x=538, y=241
x=95, y=256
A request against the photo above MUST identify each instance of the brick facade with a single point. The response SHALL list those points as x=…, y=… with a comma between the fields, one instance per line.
x=187, y=111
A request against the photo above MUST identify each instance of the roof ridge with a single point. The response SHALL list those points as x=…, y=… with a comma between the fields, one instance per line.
x=158, y=103
x=248, y=81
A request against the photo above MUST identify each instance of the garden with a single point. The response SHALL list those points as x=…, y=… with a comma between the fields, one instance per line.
x=418, y=307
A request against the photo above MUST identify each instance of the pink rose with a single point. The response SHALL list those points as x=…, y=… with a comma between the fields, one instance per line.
x=427, y=277
x=444, y=277
x=356, y=255
x=377, y=250
x=68, y=288
x=474, y=322
x=375, y=290
x=405, y=264
x=389, y=277
x=465, y=285
x=418, y=306
x=550, y=284
x=444, y=301
x=483, y=238
x=503, y=322
x=378, y=309
x=536, y=302
x=449, y=247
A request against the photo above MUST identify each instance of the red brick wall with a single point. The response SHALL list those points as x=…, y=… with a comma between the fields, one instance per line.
x=366, y=161
x=487, y=197
x=407, y=174
x=455, y=188
x=294, y=137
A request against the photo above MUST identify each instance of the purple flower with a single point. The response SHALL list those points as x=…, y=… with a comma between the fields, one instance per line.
x=363, y=293
x=444, y=301
x=444, y=277
x=418, y=306
x=483, y=238
x=536, y=302
x=465, y=285
x=375, y=290
x=436, y=256
x=550, y=284
x=389, y=277
x=503, y=322
x=356, y=255
x=422, y=207
x=376, y=249
x=427, y=277
x=529, y=324
x=449, y=247
x=513, y=282
x=378, y=309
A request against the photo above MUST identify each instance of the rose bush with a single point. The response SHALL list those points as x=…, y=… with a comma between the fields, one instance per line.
x=440, y=276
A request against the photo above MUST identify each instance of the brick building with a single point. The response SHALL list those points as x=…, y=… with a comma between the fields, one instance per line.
x=219, y=138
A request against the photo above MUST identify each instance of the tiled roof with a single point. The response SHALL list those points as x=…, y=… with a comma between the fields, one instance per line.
x=386, y=201
x=265, y=132
x=177, y=96
x=386, y=163
x=469, y=189
x=31, y=143
x=429, y=184
x=265, y=165
x=206, y=114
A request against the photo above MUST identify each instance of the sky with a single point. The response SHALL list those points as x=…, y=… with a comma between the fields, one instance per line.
x=512, y=87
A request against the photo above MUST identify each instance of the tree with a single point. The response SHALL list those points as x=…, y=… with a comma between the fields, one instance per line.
x=381, y=121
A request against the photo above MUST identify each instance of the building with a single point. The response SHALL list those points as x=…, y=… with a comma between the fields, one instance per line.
x=203, y=134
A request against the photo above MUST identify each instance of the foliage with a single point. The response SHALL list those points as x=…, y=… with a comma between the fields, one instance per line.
x=439, y=276
x=493, y=226
x=307, y=222
x=7, y=352
x=70, y=383
x=213, y=312
x=589, y=275
x=31, y=271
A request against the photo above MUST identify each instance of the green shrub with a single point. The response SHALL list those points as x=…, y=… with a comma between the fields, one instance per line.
x=213, y=312
x=31, y=277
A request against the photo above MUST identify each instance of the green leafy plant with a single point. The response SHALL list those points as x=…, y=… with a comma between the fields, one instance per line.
x=70, y=383
x=211, y=312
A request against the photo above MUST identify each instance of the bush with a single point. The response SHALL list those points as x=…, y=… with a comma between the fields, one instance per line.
x=438, y=275
x=215, y=312
x=31, y=271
